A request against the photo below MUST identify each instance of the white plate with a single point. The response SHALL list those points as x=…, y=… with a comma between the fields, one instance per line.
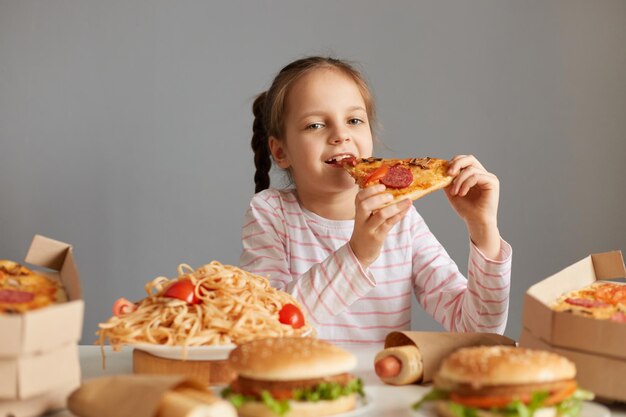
x=363, y=405
x=194, y=353
x=589, y=409
x=594, y=410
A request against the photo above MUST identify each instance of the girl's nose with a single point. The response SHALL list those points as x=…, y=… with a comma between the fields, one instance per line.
x=339, y=139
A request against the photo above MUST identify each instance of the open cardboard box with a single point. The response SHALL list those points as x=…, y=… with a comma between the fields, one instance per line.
x=52, y=326
x=598, y=347
x=39, y=352
x=599, y=374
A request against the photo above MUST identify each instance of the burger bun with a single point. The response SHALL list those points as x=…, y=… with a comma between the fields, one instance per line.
x=301, y=409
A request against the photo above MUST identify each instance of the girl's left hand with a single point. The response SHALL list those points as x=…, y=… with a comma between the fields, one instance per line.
x=474, y=192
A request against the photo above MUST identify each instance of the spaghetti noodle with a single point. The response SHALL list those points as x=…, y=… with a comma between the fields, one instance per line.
x=234, y=306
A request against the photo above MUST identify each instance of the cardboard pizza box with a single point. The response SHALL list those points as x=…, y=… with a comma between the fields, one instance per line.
x=29, y=376
x=602, y=375
x=38, y=405
x=570, y=331
x=50, y=327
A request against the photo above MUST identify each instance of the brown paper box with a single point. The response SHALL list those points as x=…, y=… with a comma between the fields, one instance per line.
x=569, y=331
x=32, y=375
x=435, y=346
x=49, y=327
x=602, y=375
x=35, y=406
x=38, y=352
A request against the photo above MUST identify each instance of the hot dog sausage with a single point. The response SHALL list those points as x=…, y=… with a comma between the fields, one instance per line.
x=388, y=367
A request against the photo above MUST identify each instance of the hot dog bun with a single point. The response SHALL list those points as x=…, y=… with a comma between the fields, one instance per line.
x=411, y=365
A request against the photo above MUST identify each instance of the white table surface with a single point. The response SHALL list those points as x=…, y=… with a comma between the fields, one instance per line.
x=385, y=400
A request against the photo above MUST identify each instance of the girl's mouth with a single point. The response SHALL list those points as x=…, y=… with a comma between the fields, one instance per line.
x=339, y=159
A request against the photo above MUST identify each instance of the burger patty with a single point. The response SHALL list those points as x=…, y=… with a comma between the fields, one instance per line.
x=254, y=387
x=505, y=390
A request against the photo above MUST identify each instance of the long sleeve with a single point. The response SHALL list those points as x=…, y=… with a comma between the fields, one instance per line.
x=277, y=242
x=478, y=303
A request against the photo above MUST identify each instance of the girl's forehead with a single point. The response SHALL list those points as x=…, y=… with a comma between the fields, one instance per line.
x=324, y=87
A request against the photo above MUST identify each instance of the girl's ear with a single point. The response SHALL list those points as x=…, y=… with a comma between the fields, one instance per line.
x=277, y=149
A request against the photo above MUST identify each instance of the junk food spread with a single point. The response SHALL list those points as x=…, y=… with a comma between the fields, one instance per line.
x=22, y=289
x=505, y=381
x=213, y=305
x=410, y=178
x=600, y=300
x=292, y=377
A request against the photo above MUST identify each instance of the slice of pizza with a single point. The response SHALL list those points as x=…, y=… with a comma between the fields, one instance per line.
x=22, y=289
x=410, y=178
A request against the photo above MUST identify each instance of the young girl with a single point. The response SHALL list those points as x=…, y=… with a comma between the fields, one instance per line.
x=353, y=266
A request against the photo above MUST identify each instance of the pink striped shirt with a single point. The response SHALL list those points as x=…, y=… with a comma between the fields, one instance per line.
x=309, y=256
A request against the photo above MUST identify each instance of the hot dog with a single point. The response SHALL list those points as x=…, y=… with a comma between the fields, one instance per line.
x=399, y=365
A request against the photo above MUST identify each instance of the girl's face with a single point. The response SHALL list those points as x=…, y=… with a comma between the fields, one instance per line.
x=325, y=121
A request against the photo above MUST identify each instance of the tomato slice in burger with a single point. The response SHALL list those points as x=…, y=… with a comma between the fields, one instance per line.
x=499, y=401
x=378, y=174
x=123, y=306
x=291, y=314
x=283, y=394
x=488, y=401
x=183, y=290
x=558, y=396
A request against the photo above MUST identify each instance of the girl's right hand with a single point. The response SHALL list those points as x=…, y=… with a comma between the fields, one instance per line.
x=372, y=224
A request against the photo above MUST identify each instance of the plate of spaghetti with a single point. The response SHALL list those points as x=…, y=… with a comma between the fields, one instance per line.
x=203, y=314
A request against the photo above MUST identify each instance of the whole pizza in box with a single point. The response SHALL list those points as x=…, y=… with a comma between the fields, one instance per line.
x=22, y=289
x=600, y=300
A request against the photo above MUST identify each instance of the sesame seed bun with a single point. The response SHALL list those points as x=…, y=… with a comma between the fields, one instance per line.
x=486, y=366
x=290, y=358
x=443, y=409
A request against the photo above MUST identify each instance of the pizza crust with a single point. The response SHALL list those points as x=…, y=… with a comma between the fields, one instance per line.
x=414, y=195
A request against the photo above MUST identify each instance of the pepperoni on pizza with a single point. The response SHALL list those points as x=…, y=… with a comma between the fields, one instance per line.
x=404, y=178
x=22, y=290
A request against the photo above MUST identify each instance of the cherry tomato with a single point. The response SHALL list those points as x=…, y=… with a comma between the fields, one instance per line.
x=183, y=290
x=378, y=174
x=123, y=306
x=291, y=314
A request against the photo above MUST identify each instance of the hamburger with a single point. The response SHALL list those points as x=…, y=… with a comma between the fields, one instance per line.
x=505, y=381
x=290, y=377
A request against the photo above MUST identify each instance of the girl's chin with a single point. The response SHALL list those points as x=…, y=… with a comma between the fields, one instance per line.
x=343, y=186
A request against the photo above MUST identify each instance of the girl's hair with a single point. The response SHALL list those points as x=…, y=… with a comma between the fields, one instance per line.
x=269, y=109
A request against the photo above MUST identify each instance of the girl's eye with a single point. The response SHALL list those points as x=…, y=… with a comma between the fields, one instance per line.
x=314, y=126
x=355, y=121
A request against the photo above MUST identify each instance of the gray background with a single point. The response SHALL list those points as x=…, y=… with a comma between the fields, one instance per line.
x=125, y=125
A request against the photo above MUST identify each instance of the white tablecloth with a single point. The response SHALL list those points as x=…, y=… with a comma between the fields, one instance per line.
x=383, y=400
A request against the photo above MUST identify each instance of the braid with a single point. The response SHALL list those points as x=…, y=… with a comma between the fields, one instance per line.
x=260, y=147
